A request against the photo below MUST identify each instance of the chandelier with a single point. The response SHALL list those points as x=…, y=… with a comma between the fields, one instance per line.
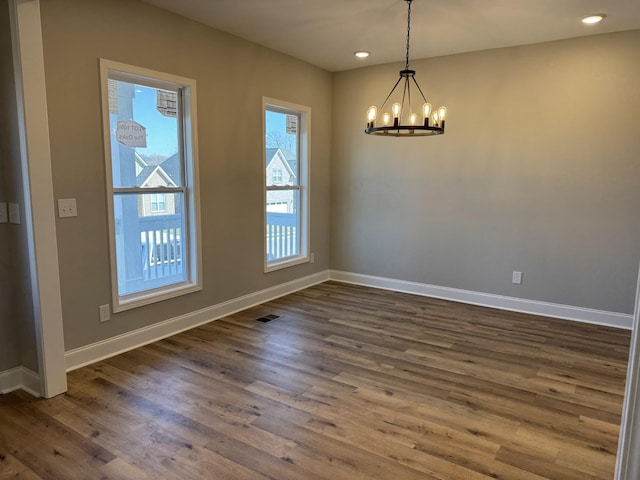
x=404, y=121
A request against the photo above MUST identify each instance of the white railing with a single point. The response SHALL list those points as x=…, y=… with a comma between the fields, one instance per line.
x=161, y=243
x=282, y=235
x=160, y=238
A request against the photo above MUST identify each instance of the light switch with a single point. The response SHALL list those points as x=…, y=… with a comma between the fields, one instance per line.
x=4, y=216
x=67, y=207
x=14, y=213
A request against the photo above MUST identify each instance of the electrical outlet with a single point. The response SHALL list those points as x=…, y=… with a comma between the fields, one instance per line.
x=4, y=215
x=105, y=312
x=312, y=257
x=14, y=213
x=67, y=207
x=516, y=278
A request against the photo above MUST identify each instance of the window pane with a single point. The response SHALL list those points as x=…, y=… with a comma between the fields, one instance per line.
x=281, y=148
x=144, y=128
x=158, y=203
x=283, y=224
x=149, y=243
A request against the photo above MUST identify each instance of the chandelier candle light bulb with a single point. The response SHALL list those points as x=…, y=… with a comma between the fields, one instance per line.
x=371, y=115
x=395, y=109
x=426, y=111
x=442, y=112
x=413, y=128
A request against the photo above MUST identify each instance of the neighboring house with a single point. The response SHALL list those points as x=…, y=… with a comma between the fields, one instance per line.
x=281, y=170
x=140, y=163
x=156, y=174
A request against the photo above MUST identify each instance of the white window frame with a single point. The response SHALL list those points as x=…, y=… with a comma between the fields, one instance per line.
x=189, y=143
x=304, y=165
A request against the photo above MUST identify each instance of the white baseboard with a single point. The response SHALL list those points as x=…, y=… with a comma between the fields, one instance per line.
x=567, y=312
x=79, y=357
x=20, y=378
x=94, y=352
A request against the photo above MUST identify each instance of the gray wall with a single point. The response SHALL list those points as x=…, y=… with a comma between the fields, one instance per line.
x=539, y=171
x=232, y=76
x=17, y=335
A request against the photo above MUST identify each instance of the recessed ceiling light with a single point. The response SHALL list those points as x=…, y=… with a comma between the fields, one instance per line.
x=593, y=19
x=362, y=54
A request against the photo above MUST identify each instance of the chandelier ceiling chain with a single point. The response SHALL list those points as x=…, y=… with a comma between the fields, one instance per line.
x=432, y=121
x=406, y=65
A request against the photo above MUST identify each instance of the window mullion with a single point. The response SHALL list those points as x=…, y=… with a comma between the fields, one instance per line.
x=148, y=190
x=281, y=188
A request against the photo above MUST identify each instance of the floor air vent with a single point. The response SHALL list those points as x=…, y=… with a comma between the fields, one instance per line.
x=267, y=318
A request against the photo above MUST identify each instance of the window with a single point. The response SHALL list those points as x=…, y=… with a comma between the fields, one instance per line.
x=286, y=131
x=158, y=203
x=151, y=164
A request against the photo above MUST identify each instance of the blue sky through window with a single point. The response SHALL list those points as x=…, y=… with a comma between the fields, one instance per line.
x=276, y=123
x=162, y=131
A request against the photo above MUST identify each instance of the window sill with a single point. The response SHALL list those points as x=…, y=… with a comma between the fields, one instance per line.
x=285, y=263
x=147, y=298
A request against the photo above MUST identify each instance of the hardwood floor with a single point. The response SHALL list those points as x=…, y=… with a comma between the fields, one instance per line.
x=348, y=383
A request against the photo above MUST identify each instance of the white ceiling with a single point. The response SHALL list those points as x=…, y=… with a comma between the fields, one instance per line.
x=326, y=33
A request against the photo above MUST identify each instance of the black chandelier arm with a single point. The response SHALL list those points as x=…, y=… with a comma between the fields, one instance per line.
x=390, y=93
x=419, y=89
x=404, y=93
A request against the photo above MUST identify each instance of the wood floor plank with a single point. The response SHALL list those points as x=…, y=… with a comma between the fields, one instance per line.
x=347, y=382
x=12, y=468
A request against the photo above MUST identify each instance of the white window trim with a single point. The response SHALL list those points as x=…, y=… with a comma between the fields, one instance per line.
x=192, y=196
x=304, y=152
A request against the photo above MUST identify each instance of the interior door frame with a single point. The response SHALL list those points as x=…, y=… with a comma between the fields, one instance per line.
x=628, y=460
x=37, y=182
